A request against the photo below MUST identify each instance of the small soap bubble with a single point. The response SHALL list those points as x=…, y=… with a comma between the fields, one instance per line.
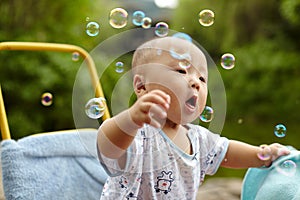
x=75, y=56
x=185, y=64
x=137, y=17
x=92, y=29
x=180, y=55
x=161, y=29
x=118, y=18
x=147, y=22
x=87, y=19
x=95, y=108
x=119, y=67
x=265, y=152
x=227, y=61
x=183, y=36
x=206, y=17
x=47, y=99
x=207, y=114
x=280, y=130
x=287, y=168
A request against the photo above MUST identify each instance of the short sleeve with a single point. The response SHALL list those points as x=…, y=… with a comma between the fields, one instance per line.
x=111, y=166
x=213, y=149
x=132, y=161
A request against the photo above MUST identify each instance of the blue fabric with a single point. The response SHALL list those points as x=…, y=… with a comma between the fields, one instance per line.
x=59, y=165
x=274, y=183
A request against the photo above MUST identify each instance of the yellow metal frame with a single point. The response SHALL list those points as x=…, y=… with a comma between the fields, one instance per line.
x=40, y=46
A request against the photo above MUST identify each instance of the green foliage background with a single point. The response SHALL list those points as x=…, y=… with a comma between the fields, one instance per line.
x=262, y=90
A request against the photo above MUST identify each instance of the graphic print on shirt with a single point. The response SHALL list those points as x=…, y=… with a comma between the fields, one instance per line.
x=164, y=182
x=123, y=182
x=210, y=158
x=131, y=196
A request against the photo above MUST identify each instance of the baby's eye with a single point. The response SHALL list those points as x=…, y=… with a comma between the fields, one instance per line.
x=202, y=79
x=181, y=71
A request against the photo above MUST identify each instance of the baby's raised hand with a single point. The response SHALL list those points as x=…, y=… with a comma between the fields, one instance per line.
x=151, y=108
x=269, y=153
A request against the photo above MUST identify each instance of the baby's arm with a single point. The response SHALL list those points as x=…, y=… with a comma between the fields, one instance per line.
x=242, y=155
x=117, y=133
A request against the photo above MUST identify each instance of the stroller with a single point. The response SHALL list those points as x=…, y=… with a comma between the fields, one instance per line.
x=54, y=165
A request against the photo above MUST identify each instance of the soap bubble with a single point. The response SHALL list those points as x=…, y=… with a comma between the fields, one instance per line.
x=206, y=17
x=180, y=54
x=227, y=61
x=185, y=64
x=119, y=67
x=75, y=56
x=47, y=99
x=95, y=107
x=183, y=36
x=118, y=18
x=280, y=130
x=137, y=17
x=207, y=114
x=161, y=29
x=287, y=168
x=265, y=152
x=92, y=29
x=147, y=22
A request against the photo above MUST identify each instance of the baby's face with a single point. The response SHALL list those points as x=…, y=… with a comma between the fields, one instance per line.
x=180, y=70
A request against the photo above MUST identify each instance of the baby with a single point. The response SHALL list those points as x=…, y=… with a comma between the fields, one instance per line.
x=152, y=150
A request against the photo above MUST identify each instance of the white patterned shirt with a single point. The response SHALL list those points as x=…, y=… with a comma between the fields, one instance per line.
x=157, y=169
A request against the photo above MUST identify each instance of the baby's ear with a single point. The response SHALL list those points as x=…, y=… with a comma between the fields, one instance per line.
x=139, y=85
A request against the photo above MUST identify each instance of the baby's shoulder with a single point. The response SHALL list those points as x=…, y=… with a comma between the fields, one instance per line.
x=201, y=132
x=197, y=129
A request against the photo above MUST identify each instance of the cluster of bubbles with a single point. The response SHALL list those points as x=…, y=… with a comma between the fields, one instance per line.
x=47, y=99
x=95, y=107
x=118, y=18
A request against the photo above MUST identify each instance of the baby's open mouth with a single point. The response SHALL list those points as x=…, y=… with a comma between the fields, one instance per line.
x=191, y=102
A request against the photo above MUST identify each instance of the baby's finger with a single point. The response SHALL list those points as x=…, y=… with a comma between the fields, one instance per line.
x=278, y=150
x=283, y=151
x=150, y=108
x=163, y=98
x=157, y=111
x=166, y=97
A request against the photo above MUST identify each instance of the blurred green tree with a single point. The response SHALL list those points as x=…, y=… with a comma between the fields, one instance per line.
x=263, y=36
x=25, y=76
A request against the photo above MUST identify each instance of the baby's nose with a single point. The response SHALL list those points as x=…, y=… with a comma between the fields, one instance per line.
x=194, y=83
